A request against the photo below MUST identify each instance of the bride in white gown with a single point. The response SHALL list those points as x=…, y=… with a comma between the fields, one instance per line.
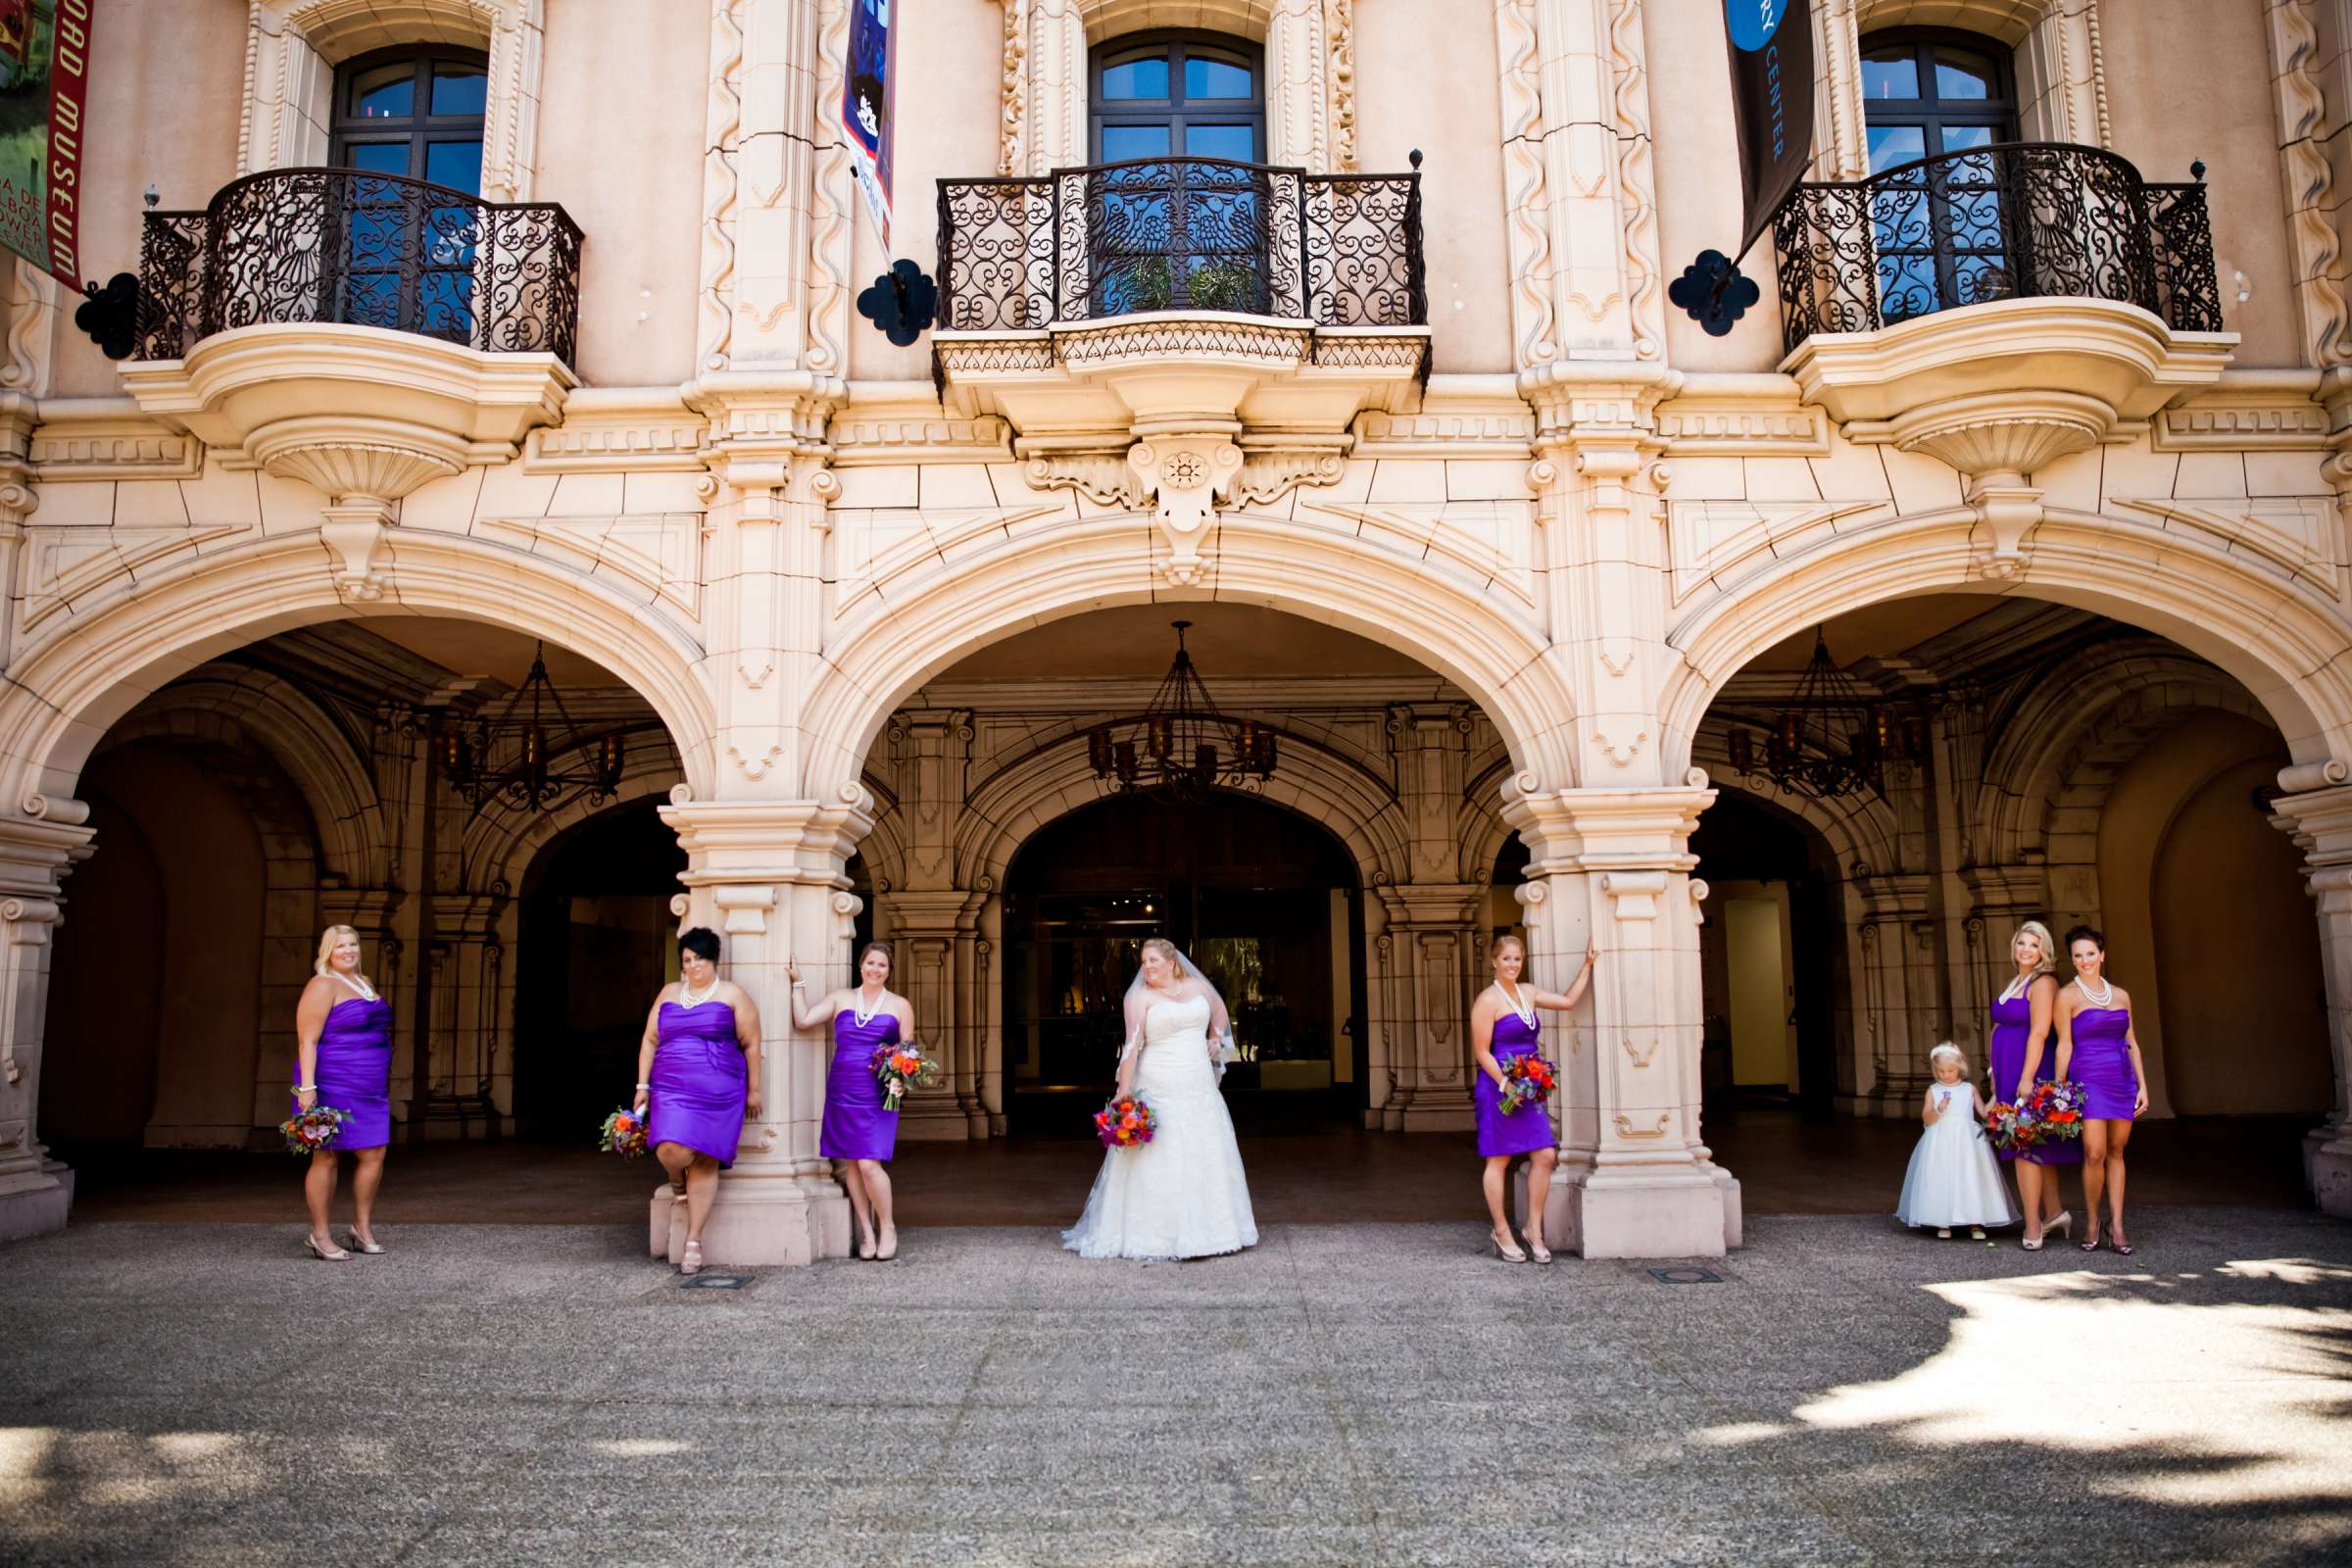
x=1182, y=1195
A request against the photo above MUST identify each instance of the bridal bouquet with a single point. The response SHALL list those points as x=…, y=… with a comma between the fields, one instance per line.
x=1125, y=1122
x=1527, y=1079
x=2050, y=1113
x=623, y=1134
x=314, y=1130
x=900, y=1068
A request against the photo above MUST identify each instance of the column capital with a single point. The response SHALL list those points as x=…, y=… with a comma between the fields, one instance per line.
x=1606, y=830
x=774, y=842
x=2320, y=820
x=1426, y=906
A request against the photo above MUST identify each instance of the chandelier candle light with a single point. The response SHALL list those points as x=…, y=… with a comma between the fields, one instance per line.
x=1181, y=747
x=506, y=757
x=1830, y=738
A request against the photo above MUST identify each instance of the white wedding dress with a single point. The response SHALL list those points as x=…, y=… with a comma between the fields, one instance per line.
x=1182, y=1195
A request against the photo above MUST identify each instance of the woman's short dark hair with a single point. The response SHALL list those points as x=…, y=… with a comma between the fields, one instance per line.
x=700, y=941
x=2087, y=932
x=883, y=948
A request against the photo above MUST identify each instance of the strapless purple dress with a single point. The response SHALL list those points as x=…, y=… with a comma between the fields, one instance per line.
x=2102, y=1064
x=855, y=1126
x=698, y=1081
x=355, y=1070
x=1527, y=1129
x=2012, y=1025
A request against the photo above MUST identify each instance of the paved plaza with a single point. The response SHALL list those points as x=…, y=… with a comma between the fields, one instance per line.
x=1840, y=1391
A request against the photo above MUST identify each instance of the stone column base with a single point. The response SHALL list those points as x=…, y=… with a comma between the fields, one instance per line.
x=1675, y=1213
x=35, y=1202
x=1418, y=1118
x=2331, y=1168
x=768, y=1221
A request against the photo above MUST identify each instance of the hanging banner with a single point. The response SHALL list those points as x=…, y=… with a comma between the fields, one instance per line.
x=865, y=106
x=1772, y=101
x=45, y=84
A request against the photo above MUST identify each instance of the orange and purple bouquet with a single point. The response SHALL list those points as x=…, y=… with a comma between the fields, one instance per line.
x=2051, y=1112
x=1125, y=1122
x=1527, y=1079
x=900, y=1068
x=623, y=1134
x=314, y=1130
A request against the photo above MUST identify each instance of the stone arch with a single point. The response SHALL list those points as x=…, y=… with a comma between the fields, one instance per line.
x=499, y=851
x=2286, y=650
x=901, y=641
x=219, y=700
x=65, y=691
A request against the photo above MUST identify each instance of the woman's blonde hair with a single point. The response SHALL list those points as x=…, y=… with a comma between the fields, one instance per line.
x=2049, y=946
x=1947, y=1049
x=1507, y=939
x=328, y=942
x=1166, y=950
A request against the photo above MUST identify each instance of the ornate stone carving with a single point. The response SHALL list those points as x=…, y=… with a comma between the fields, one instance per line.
x=2305, y=127
x=721, y=146
x=1339, y=28
x=1186, y=476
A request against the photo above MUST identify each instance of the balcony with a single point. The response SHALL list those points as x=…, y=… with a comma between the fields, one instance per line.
x=1191, y=292
x=363, y=332
x=2001, y=307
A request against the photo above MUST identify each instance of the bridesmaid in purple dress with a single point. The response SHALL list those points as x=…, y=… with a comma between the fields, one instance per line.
x=2097, y=1049
x=1503, y=1023
x=698, y=1068
x=2021, y=1056
x=343, y=1058
x=857, y=1129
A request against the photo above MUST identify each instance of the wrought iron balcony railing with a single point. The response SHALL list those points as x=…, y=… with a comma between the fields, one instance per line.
x=360, y=250
x=2017, y=221
x=1181, y=234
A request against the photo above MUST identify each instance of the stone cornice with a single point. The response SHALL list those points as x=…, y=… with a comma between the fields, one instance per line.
x=2246, y=411
x=620, y=430
x=1741, y=416
x=109, y=438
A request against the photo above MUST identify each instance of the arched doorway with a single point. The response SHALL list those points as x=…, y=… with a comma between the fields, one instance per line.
x=1768, y=950
x=597, y=942
x=1265, y=899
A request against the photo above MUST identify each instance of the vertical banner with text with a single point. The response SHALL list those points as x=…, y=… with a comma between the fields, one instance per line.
x=865, y=106
x=1772, y=101
x=44, y=87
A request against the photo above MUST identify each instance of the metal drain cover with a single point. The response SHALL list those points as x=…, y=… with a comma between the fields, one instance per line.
x=715, y=1282
x=1685, y=1276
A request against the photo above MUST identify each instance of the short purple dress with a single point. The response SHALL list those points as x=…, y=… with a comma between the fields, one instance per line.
x=855, y=1126
x=2012, y=1026
x=355, y=1070
x=698, y=1081
x=1527, y=1129
x=2102, y=1064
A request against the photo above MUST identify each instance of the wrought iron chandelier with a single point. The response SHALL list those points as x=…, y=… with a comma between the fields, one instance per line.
x=1831, y=737
x=1181, y=747
x=507, y=756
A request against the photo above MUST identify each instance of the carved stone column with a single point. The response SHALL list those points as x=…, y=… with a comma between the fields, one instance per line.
x=36, y=851
x=1613, y=866
x=936, y=935
x=770, y=877
x=2320, y=820
x=1425, y=957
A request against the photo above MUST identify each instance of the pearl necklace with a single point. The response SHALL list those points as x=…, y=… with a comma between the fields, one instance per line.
x=2019, y=987
x=687, y=998
x=864, y=1014
x=1525, y=1009
x=365, y=991
x=2102, y=997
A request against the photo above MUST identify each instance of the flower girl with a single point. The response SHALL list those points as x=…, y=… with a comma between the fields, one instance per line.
x=1953, y=1180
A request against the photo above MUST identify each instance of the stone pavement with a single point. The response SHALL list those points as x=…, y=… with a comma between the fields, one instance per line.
x=1367, y=1394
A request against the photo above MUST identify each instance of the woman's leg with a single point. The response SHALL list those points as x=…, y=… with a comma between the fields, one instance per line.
x=364, y=1180
x=675, y=1160
x=1492, y=1181
x=2094, y=1174
x=702, y=1191
x=1539, y=1188
x=877, y=1176
x=862, y=1203
x=318, y=1192
x=2033, y=1187
x=2119, y=1134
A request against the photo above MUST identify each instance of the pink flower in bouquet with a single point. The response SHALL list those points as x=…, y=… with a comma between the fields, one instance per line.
x=314, y=1130
x=1527, y=1079
x=900, y=1068
x=1125, y=1122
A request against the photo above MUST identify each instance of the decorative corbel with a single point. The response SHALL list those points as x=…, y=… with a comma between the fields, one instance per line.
x=1186, y=476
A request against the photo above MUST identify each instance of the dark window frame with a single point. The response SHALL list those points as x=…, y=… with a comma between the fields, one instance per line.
x=1966, y=236
x=421, y=128
x=1175, y=111
x=1931, y=112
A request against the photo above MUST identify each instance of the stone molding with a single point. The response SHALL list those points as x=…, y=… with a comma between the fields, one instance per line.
x=620, y=430
x=1733, y=415
x=2246, y=411
x=109, y=438
x=2309, y=129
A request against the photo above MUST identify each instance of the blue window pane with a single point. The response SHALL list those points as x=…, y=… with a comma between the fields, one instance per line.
x=1237, y=143
x=1962, y=74
x=377, y=157
x=1966, y=138
x=388, y=92
x=1137, y=78
x=454, y=164
x=1891, y=145
x=1216, y=78
x=1134, y=141
x=1889, y=74
x=459, y=89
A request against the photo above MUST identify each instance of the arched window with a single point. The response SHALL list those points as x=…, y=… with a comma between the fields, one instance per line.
x=1164, y=95
x=414, y=111
x=1940, y=232
x=405, y=263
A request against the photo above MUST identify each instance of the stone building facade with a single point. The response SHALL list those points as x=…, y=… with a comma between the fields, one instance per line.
x=1507, y=549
